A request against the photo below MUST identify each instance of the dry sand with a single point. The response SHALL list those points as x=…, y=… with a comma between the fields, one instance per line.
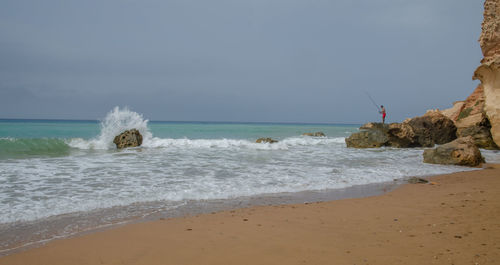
x=455, y=221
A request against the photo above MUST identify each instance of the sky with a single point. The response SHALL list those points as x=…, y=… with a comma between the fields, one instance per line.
x=312, y=61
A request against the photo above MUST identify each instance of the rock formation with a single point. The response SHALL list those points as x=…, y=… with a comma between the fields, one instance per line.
x=367, y=139
x=432, y=128
x=266, y=140
x=128, y=138
x=461, y=151
x=424, y=131
x=471, y=120
x=489, y=70
x=316, y=134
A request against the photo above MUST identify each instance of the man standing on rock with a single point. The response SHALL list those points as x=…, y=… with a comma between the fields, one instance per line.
x=382, y=111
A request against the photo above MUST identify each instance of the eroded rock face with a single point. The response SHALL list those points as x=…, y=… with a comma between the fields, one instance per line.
x=128, y=138
x=454, y=111
x=461, y=151
x=402, y=135
x=471, y=120
x=489, y=70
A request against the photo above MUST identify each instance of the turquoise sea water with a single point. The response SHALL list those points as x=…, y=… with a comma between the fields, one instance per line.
x=53, y=170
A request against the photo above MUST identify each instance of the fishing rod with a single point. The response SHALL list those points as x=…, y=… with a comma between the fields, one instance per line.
x=373, y=101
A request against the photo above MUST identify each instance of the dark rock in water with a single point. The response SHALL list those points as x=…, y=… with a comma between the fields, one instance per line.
x=367, y=139
x=266, y=140
x=316, y=134
x=461, y=151
x=128, y=138
x=415, y=180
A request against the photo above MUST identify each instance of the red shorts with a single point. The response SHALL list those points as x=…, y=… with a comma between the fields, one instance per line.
x=383, y=115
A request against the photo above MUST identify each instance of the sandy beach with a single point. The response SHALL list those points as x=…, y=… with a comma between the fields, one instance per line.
x=453, y=220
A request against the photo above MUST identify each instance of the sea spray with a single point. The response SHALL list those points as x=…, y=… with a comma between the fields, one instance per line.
x=116, y=121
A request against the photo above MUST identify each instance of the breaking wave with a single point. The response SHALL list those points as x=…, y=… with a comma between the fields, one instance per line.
x=20, y=148
x=115, y=122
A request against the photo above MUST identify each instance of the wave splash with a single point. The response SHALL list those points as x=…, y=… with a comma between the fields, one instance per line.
x=116, y=121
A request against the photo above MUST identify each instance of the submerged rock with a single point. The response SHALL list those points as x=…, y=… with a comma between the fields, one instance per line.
x=415, y=180
x=266, y=140
x=461, y=151
x=316, y=134
x=128, y=138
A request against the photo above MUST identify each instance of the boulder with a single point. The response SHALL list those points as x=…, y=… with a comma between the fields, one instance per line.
x=401, y=135
x=367, y=139
x=432, y=128
x=128, y=138
x=266, y=140
x=461, y=151
x=480, y=133
x=316, y=134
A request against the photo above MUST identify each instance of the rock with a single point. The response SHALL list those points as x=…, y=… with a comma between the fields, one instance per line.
x=480, y=133
x=316, y=134
x=266, y=140
x=129, y=138
x=432, y=128
x=424, y=131
x=453, y=112
x=415, y=180
x=367, y=139
x=374, y=126
x=471, y=120
x=461, y=151
x=401, y=135
x=489, y=70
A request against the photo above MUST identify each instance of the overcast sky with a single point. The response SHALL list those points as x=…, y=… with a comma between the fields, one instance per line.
x=234, y=60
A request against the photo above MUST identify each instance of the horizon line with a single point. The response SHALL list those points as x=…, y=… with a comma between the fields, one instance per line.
x=184, y=121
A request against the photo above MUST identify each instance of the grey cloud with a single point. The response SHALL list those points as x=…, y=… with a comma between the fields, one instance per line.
x=306, y=61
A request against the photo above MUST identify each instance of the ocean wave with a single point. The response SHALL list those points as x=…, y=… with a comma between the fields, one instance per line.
x=155, y=142
x=20, y=148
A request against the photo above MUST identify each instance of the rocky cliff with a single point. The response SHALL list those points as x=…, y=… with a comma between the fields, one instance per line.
x=489, y=70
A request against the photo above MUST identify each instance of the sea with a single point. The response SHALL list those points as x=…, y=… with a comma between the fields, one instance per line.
x=59, y=178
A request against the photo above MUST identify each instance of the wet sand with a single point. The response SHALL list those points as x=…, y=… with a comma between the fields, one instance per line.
x=455, y=220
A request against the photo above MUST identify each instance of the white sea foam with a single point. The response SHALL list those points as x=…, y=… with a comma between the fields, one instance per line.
x=115, y=122
x=98, y=176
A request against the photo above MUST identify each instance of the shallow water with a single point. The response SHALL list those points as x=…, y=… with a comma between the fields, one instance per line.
x=52, y=171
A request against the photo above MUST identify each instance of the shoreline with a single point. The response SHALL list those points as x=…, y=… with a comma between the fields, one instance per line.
x=27, y=235
x=455, y=222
